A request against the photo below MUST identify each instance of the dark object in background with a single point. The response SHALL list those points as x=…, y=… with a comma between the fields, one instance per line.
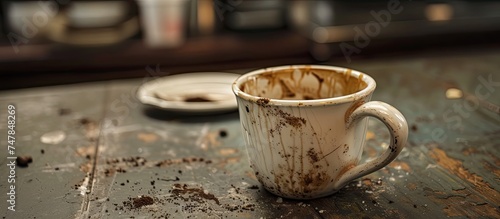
x=253, y=15
x=359, y=28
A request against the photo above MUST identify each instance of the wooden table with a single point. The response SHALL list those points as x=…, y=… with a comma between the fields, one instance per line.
x=98, y=153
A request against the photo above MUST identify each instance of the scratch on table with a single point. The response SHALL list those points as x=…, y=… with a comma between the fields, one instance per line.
x=455, y=202
x=495, y=159
x=456, y=167
x=111, y=184
x=67, y=167
x=491, y=168
x=122, y=129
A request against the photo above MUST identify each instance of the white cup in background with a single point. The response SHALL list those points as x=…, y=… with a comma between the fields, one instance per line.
x=163, y=22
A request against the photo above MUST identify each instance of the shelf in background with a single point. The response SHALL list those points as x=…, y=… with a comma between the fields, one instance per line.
x=48, y=64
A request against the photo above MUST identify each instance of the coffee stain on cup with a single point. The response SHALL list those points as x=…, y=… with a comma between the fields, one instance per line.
x=313, y=156
x=351, y=109
x=294, y=121
x=262, y=101
x=346, y=168
x=314, y=179
x=303, y=84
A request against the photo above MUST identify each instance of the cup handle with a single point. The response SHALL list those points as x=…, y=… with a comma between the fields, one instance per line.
x=398, y=128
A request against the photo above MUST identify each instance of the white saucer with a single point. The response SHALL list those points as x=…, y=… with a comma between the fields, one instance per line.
x=201, y=92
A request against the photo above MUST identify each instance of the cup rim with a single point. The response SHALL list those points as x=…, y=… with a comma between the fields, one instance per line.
x=370, y=87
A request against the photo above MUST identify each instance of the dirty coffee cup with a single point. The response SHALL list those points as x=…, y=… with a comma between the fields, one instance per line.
x=304, y=127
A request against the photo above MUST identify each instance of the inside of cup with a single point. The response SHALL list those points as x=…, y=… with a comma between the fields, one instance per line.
x=303, y=83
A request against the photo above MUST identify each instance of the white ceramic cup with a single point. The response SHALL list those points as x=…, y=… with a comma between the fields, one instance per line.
x=163, y=22
x=304, y=127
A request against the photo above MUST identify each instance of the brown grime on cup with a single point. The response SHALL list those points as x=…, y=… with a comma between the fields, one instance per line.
x=303, y=84
x=299, y=175
x=351, y=109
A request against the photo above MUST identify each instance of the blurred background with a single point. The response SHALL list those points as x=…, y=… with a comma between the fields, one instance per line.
x=53, y=42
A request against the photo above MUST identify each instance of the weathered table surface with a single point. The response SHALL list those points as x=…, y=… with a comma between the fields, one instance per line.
x=120, y=159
